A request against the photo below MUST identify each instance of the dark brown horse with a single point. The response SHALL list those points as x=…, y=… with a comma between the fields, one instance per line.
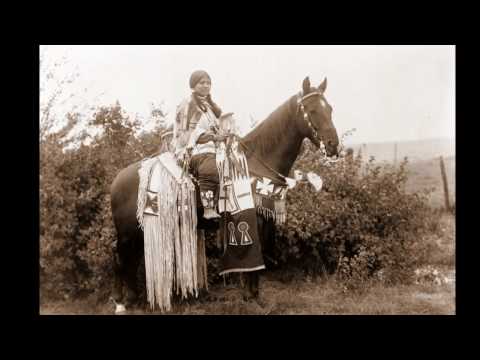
x=271, y=149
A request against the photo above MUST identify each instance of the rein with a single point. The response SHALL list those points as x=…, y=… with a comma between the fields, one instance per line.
x=306, y=116
x=283, y=177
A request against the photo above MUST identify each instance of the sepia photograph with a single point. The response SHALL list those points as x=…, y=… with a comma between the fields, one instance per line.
x=247, y=179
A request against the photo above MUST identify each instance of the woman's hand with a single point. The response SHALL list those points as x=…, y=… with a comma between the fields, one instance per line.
x=210, y=136
x=206, y=137
x=219, y=137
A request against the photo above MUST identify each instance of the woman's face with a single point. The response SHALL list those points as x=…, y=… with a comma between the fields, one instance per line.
x=203, y=86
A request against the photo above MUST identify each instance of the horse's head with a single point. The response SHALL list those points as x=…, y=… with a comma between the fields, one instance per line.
x=315, y=120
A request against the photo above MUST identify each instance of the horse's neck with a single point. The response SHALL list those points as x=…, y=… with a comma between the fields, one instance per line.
x=277, y=140
x=283, y=156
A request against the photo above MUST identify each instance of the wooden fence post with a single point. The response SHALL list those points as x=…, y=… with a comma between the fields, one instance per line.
x=364, y=155
x=395, y=155
x=445, y=184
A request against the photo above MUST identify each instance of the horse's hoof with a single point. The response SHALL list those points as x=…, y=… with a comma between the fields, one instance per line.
x=120, y=309
x=248, y=297
x=262, y=303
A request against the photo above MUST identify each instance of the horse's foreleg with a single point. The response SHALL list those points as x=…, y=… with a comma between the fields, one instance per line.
x=254, y=283
x=251, y=287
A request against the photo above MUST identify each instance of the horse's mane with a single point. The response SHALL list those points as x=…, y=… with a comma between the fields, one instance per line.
x=271, y=131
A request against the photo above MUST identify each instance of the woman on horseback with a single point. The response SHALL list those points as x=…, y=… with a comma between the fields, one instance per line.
x=195, y=135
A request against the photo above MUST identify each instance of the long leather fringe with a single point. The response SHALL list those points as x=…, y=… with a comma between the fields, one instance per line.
x=171, y=251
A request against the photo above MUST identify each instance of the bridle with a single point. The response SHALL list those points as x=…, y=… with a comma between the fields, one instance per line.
x=306, y=115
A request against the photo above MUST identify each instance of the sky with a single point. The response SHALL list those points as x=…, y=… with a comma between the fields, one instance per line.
x=387, y=93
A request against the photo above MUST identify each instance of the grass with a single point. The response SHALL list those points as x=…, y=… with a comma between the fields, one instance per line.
x=426, y=174
x=306, y=297
x=443, y=251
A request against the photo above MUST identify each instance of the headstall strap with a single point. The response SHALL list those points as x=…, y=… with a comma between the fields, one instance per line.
x=312, y=94
x=305, y=114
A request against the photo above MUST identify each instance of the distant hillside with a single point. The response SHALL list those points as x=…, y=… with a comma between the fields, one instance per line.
x=414, y=150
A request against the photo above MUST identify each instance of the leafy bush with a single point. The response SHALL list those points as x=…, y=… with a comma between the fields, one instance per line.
x=77, y=236
x=362, y=223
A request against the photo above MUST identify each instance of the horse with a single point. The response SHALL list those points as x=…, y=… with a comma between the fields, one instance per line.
x=271, y=149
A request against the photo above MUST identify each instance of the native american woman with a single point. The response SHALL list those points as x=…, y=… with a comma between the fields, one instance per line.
x=195, y=133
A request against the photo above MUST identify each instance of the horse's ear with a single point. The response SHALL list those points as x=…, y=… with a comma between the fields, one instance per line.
x=306, y=86
x=323, y=86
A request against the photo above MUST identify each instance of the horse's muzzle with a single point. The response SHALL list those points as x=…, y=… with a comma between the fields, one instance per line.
x=331, y=149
